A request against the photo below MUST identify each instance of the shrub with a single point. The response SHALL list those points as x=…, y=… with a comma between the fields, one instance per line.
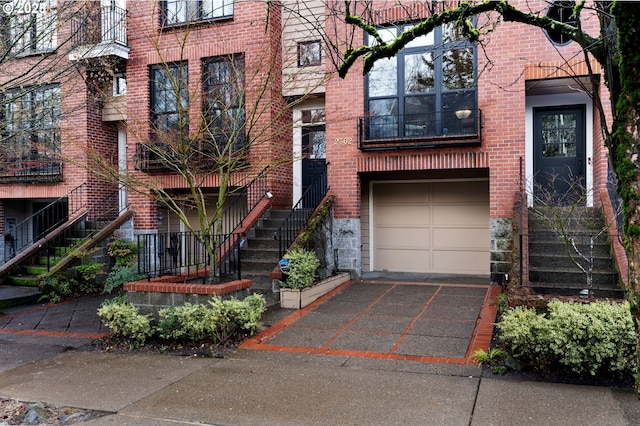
x=594, y=339
x=186, y=322
x=302, y=269
x=124, y=320
x=119, y=275
x=89, y=271
x=236, y=318
x=122, y=251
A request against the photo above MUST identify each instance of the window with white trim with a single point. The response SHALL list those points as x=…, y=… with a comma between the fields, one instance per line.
x=175, y=12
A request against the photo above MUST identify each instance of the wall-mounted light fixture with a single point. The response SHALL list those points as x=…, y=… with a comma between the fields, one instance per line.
x=463, y=113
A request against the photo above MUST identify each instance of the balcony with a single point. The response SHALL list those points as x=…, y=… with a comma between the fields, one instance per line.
x=101, y=32
x=203, y=156
x=438, y=129
x=31, y=169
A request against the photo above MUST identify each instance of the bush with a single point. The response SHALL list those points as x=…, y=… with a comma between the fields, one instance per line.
x=302, y=269
x=236, y=318
x=220, y=320
x=124, y=252
x=584, y=339
x=186, y=322
x=124, y=320
x=119, y=275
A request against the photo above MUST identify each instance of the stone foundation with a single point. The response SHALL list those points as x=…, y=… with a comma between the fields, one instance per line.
x=501, y=249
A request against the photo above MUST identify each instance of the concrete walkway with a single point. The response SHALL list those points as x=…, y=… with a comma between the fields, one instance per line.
x=305, y=385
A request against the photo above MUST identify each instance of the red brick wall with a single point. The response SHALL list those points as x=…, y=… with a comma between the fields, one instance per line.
x=501, y=97
x=245, y=33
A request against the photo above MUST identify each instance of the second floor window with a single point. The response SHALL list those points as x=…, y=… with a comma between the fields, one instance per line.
x=30, y=129
x=30, y=27
x=418, y=92
x=224, y=100
x=169, y=101
x=183, y=11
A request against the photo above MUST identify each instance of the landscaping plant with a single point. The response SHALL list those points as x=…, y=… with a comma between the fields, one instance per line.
x=302, y=269
x=594, y=339
x=219, y=321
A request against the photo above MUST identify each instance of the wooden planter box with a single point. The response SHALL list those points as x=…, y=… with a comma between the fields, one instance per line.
x=298, y=299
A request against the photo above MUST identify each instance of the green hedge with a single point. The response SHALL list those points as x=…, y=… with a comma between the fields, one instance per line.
x=584, y=339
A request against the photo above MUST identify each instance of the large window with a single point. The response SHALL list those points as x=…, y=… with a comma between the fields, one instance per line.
x=223, y=100
x=169, y=100
x=421, y=91
x=30, y=130
x=30, y=27
x=182, y=11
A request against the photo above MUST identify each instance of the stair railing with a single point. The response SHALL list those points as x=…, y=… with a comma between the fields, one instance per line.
x=24, y=234
x=173, y=253
x=301, y=212
x=94, y=219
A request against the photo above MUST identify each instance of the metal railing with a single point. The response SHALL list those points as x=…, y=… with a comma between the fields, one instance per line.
x=36, y=169
x=301, y=212
x=95, y=219
x=175, y=253
x=405, y=131
x=27, y=232
x=107, y=24
x=183, y=253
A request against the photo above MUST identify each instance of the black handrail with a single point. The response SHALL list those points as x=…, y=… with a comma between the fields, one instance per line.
x=157, y=252
x=301, y=212
x=95, y=219
x=53, y=215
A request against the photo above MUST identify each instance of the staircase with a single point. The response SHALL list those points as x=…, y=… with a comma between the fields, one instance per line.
x=550, y=267
x=260, y=253
x=58, y=250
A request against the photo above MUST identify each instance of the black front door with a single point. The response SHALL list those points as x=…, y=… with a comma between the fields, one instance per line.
x=314, y=162
x=559, y=153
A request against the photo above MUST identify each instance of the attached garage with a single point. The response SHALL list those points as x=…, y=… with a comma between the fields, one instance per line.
x=430, y=226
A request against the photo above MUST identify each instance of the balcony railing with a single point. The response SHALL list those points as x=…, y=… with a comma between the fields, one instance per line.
x=409, y=131
x=203, y=155
x=31, y=169
x=103, y=25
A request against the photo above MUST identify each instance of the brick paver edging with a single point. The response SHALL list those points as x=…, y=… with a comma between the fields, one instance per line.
x=481, y=337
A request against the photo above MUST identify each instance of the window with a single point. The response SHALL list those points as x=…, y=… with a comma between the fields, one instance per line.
x=183, y=11
x=561, y=11
x=314, y=141
x=309, y=53
x=31, y=26
x=119, y=85
x=169, y=100
x=31, y=124
x=418, y=92
x=223, y=100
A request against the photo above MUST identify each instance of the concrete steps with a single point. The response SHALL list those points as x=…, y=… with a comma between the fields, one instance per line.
x=260, y=254
x=551, y=269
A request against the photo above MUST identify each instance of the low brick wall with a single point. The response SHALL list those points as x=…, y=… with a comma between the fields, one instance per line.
x=149, y=296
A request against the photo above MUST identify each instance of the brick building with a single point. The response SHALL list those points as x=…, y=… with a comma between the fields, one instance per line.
x=425, y=155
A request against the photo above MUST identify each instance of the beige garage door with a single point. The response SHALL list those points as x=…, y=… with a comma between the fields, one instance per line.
x=439, y=227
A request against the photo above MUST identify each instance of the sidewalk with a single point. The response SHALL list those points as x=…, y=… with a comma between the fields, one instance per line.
x=270, y=388
x=45, y=355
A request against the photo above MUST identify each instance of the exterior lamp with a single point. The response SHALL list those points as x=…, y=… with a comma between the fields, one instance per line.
x=463, y=113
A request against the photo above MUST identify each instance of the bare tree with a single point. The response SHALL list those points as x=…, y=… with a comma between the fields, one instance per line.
x=226, y=130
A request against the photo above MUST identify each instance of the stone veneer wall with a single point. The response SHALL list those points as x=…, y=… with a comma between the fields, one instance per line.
x=501, y=248
x=347, y=245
